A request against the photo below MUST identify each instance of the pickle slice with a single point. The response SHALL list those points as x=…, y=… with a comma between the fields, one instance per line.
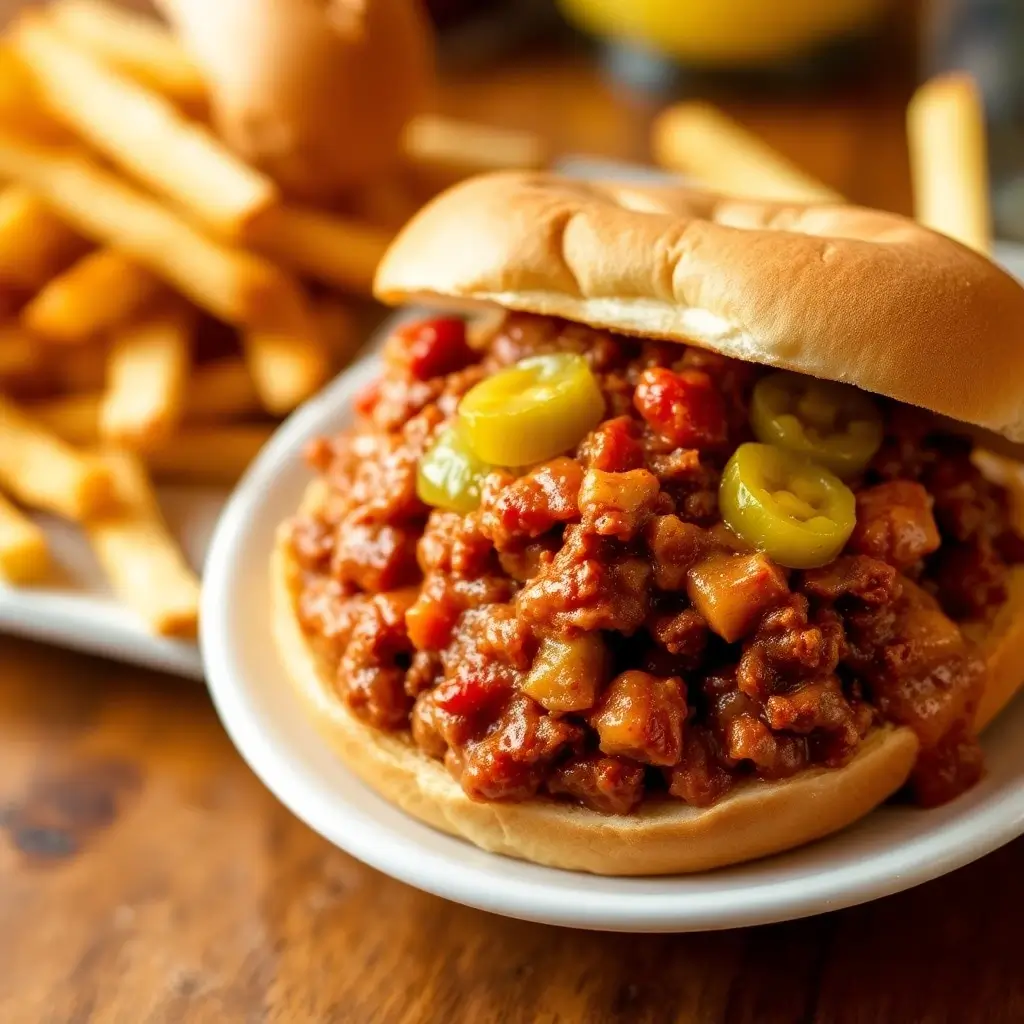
x=532, y=411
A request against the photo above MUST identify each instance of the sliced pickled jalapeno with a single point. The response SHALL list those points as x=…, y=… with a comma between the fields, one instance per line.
x=834, y=424
x=449, y=474
x=786, y=505
x=532, y=411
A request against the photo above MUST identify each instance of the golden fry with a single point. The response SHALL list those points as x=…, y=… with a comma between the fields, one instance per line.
x=44, y=472
x=286, y=368
x=146, y=370
x=143, y=133
x=21, y=106
x=217, y=391
x=80, y=369
x=34, y=243
x=73, y=418
x=208, y=455
x=137, y=45
x=10, y=299
x=144, y=564
x=97, y=293
x=341, y=252
x=24, y=557
x=702, y=141
x=387, y=201
x=233, y=285
x=464, y=148
x=221, y=390
x=949, y=160
x=19, y=353
x=338, y=329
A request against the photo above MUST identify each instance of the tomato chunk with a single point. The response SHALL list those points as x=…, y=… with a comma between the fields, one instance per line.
x=429, y=348
x=685, y=408
x=468, y=695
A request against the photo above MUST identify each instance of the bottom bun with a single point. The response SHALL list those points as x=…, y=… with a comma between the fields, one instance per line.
x=663, y=837
x=1002, y=644
x=1002, y=641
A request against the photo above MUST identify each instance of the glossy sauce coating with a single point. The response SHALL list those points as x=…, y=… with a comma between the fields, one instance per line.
x=593, y=630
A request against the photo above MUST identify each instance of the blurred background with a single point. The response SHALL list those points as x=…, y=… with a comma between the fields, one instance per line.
x=826, y=83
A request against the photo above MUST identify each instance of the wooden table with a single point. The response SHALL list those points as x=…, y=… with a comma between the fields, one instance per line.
x=146, y=876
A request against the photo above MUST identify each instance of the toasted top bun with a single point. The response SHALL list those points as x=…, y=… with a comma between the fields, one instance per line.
x=315, y=94
x=838, y=292
x=661, y=837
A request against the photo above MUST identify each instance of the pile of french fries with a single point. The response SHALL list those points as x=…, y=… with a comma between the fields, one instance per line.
x=129, y=236
x=946, y=139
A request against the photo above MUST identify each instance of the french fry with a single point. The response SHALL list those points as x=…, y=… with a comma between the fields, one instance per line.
x=73, y=418
x=24, y=557
x=387, y=201
x=341, y=252
x=285, y=368
x=143, y=133
x=44, y=472
x=146, y=370
x=137, y=45
x=80, y=369
x=100, y=291
x=21, y=106
x=233, y=285
x=10, y=299
x=19, y=353
x=949, y=160
x=208, y=455
x=700, y=140
x=144, y=565
x=461, y=148
x=221, y=390
x=216, y=392
x=34, y=243
x=337, y=329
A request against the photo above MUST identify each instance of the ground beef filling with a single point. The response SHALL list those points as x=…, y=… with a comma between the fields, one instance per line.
x=594, y=632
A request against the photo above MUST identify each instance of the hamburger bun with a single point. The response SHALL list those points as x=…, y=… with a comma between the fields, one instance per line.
x=666, y=837
x=837, y=292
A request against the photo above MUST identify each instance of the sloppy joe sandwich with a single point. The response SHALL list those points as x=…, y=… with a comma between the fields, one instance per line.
x=688, y=557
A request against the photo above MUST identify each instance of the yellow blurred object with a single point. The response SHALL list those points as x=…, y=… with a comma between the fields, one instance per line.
x=705, y=143
x=949, y=159
x=725, y=32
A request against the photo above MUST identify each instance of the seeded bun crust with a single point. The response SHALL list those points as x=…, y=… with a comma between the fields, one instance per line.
x=838, y=292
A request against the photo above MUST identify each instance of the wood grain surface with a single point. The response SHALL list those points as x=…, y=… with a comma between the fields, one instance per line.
x=146, y=876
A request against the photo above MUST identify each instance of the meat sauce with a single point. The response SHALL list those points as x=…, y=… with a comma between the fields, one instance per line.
x=594, y=632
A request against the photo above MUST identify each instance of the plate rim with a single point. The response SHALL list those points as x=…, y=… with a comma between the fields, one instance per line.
x=982, y=829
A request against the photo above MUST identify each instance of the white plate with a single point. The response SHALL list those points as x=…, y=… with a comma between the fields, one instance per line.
x=890, y=850
x=75, y=608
